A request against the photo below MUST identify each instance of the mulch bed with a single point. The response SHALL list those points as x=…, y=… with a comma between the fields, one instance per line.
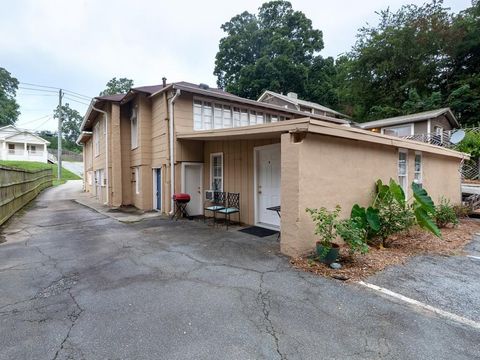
x=401, y=247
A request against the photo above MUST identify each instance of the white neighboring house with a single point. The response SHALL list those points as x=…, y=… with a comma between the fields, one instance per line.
x=18, y=144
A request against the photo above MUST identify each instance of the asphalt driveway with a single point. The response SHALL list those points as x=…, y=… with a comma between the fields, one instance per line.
x=76, y=284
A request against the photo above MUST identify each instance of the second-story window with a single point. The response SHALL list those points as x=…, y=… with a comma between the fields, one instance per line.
x=134, y=128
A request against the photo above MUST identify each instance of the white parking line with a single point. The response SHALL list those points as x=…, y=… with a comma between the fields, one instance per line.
x=474, y=257
x=443, y=313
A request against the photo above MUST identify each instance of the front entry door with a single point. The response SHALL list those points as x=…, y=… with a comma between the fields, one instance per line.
x=268, y=184
x=192, y=175
x=158, y=189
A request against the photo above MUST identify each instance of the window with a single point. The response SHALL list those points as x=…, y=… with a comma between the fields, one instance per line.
x=208, y=115
x=402, y=170
x=11, y=148
x=89, y=178
x=134, y=128
x=438, y=137
x=136, y=177
x=96, y=139
x=216, y=171
x=100, y=178
x=403, y=130
x=418, y=178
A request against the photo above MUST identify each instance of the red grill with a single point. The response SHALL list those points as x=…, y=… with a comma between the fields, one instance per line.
x=181, y=198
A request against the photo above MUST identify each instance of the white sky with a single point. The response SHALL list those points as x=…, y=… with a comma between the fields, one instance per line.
x=80, y=44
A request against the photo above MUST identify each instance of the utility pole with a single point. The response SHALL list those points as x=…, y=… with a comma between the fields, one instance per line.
x=59, y=134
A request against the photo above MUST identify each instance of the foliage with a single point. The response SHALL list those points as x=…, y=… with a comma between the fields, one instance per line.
x=329, y=228
x=470, y=144
x=8, y=105
x=71, y=123
x=367, y=219
x=275, y=50
x=461, y=211
x=117, y=86
x=445, y=214
x=325, y=222
x=415, y=59
x=353, y=235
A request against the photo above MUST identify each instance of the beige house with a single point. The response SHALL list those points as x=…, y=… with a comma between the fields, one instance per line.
x=429, y=124
x=142, y=147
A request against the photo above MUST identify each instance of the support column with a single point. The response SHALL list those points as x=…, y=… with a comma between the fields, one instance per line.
x=116, y=157
x=25, y=151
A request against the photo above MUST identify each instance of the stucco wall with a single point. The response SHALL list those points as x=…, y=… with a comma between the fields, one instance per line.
x=344, y=173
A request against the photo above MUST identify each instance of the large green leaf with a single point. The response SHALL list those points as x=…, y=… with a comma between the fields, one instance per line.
x=397, y=192
x=382, y=190
x=425, y=221
x=423, y=199
x=373, y=218
x=358, y=212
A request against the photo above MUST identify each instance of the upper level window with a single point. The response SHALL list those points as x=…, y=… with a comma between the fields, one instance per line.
x=403, y=130
x=96, y=139
x=418, y=178
x=134, y=128
x=208, y=115
x=403, y=170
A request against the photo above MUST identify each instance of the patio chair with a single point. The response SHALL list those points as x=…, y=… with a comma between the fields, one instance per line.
x=233, y=207
x=216, y=204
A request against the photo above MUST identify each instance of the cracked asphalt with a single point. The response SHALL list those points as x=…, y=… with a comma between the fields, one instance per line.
x=76, y=284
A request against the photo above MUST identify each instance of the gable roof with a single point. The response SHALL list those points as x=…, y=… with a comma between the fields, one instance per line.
x=16, y=131
x=405, y=119
x=299, y=102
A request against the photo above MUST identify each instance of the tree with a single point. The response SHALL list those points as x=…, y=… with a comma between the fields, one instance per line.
x=275, y=50
x=8, y=105
x=71, y=123
x=117, y=86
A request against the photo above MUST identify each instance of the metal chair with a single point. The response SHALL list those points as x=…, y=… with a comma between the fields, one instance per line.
x=233, y=207
x=216, y=204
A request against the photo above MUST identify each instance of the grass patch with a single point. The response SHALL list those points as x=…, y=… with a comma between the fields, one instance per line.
x=33, y=166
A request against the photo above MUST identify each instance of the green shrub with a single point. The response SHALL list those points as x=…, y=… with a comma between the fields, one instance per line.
x=353, y=235
x=462, y=211
x=325, y=222
x=445, y=214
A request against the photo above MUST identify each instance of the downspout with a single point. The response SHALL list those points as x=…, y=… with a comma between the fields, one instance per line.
x=172, y=160
x=106, y=148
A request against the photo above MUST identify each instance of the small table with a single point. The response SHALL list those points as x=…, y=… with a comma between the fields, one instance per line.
x=278, y=210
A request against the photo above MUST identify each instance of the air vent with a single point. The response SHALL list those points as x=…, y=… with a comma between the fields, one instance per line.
x=204, y=86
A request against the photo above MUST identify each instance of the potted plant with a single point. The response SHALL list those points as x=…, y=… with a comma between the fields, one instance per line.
x=325, y=223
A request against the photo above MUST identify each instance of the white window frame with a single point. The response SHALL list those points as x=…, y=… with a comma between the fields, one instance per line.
x=136, y=172
x=238, y=116
x=405, y=186
x=412, y=129
x=416, y=172
x=100, y=178
x=89, y=178
x=212, y=155
x=134, y=128
x=96, y=140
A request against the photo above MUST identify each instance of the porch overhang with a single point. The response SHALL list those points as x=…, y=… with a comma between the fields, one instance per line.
x=308, y=125
x=264, y=131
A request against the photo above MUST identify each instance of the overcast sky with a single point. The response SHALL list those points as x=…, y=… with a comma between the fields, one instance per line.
x=80, y=44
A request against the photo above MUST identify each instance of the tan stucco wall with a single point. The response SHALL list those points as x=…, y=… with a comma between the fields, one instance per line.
x=345, y=172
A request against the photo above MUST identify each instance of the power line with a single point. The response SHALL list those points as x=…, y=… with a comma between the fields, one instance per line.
x=33, y=94
x=73, y=93
x=33, y=89
x=43, y=86
x=56, y=89
x=40, y=118
x=43, y=123
x=68, y=98
x=76, y=96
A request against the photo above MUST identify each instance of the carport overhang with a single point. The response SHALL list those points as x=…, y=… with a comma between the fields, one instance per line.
x=308, y=125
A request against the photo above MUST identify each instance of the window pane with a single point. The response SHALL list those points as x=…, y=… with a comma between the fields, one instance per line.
x=253, y=118
x=260, y=118
x=244, y=118
x=236, y=117
x=274, y=118
x=227, y=117
x=218, y=117
x=207, y=115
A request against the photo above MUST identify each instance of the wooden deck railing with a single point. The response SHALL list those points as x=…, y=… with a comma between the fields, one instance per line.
x=18, y=187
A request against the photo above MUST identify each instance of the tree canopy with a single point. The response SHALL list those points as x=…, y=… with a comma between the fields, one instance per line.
x=277, y=49
x=415, y=59
x=70, y=125
x=8, y=105
x=117, y=86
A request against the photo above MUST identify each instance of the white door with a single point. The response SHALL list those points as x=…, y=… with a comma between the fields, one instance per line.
x=192, y=184
x=268, y=184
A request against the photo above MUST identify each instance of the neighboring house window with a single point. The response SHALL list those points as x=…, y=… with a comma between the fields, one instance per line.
x=438, y=134
x=32, y=149
x=216, y=171
x=11, y=148
x=400, y=131
x=96, y=140
x=136, y=174
x=402, y=170
x=208, y=115
x=418, y=178
x=134, y=128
